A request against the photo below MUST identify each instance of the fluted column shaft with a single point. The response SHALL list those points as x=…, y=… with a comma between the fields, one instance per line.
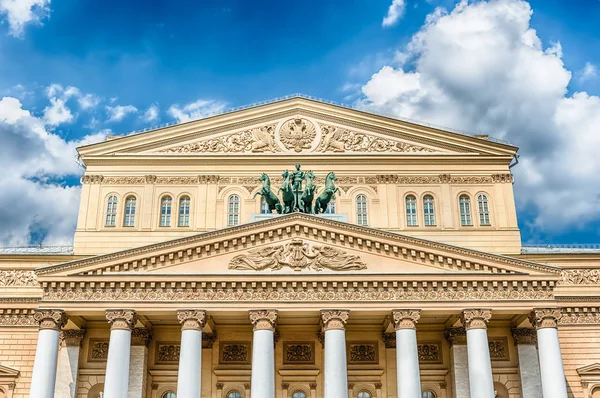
x=189, y=378
x=407, y=355
x=263, y=353
x=43, y=379
x=116, y=383
x=552, y=371
x=336, y=371
x=481, y=382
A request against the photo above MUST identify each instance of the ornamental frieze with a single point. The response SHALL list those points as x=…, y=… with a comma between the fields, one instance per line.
x=17, y=278
x=430, y=353
x=297, y=255
x=339, y=139
x=17, y=317
x=167, y=352
x=299, y=353
x=361, y=353
x=580, y=277
x=580, y=316
x=234, y=353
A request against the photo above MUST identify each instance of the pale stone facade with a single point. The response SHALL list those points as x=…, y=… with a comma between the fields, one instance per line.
x=416, y=285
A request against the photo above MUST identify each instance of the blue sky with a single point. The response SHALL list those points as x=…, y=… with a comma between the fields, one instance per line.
x=83, y=69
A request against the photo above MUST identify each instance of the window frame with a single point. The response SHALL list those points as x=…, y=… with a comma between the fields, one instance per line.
x=362, y=214
x=131, y=216
x=410, y=210
x=181, y=215
x=164, y=216
x=164, y=394
x=239, y=394
x=432, y=394
x=359, y=395
x=298, y=391
x=264, y=206
x=113, y=211
x=486, y=212
x=464, y=207
x=429, y=214
x=233, y=210
x=331, y=207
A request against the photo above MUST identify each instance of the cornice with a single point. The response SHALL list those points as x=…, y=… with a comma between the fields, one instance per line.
x=580, y=316
x=302, y=225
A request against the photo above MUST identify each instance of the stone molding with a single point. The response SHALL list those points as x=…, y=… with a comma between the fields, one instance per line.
x=334, y=319
x=542, y=318
x=405, y=318
x=456, y=336
x=17, y=278
x=475, y=318
x=72, y=337
x=52, y=319
x=141, y=336
x=263, y=319
x=524, y=336
x=378, y=241
x=121, y=319
x=580, y=276
x=17, y=317
x=580, y=316
x=191, y=319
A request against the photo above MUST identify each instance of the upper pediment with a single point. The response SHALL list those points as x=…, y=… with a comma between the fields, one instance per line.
x=297, y=126
x=298, y=245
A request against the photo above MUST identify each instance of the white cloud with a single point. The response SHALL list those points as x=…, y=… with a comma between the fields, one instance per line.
x=196, y=110
x=57, y=112
x=118, y=113
x=21, y=12
x=589, y=72
x=395, y=12
x=151, y=113
x=482, y=68
x=33, y=203
x=88, y=101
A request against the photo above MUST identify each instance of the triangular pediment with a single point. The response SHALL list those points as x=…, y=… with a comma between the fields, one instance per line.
x=6, y=372
x=589, y=370
x=297, y=126
x=298, y=244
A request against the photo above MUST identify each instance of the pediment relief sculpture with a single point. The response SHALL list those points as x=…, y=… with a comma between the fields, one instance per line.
x=297, y=255
x=338, y=139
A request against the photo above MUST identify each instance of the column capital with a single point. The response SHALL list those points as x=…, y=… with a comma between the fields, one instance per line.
x=456, y=336
x=121, y=319
x=405, y=318
x=524, y=336
x=475, y=318
x=141, y=336
x=263, y=319
x=72, y=337
x=334, y=319
x=542, y=318
x=191, y=319
x=52, y=319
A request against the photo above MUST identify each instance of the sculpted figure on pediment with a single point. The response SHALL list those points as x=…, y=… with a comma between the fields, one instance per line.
x=297, y=255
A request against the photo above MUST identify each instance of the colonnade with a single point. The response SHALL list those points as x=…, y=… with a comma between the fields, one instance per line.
x=264, y=322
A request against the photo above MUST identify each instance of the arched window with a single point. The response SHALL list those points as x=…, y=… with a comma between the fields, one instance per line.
x=364, y=394
x=361, y=210
x=129, y=219
x=428, y=394
x=184, y=211
x=233, y=213
x=330, y=208
x=264, y=206
x=465, y=210
x=429, y=210
x=165, y=211
x=169, y=394
x=234, y=394
x=111, y=211
x=411, y=211
x=596, y=392
x=484, y=209
x=299, y=394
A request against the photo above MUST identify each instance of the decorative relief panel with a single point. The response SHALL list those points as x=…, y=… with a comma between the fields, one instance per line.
x=297, y=255
x=363, y=352
x=234, y=353
x=338, y=139
x=297, y=134
x=580, y=277
x=17, y=278
x=499, y=349
x=299, y=353
x=167, y=352
x=17, y=317
x=430, y=352
x=98, y=350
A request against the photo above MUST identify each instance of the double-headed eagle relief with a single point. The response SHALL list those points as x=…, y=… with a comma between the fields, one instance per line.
x=298, y=192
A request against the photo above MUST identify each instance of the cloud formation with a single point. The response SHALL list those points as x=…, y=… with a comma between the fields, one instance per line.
x=118, y=113
x=34, y=204
x=151, y=113
x=19, y=13
x=482, y=68
x=196, y=110
x=395, y=12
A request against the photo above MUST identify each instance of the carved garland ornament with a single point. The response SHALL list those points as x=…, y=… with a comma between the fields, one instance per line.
x=476, y=318
x=545, y=317
x=334, y=319
x=121, y=319
x=191, y=319
x=50, y=319
x=263, y=319
x=297, y=255
x=338, y=139
x=405, y=319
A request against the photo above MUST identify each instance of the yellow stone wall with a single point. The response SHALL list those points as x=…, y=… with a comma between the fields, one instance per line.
x=17, y=351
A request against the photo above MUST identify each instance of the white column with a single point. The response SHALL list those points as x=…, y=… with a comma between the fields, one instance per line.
x=457, y=338
x=407, y=356
x=116, y=383
x=552, y=372
x=481, y=382
x=68, y=363
x=262, y=384
x=43, y=379
x=336, y=370
x=138, y=362
x=529, y=367
x=189, y=378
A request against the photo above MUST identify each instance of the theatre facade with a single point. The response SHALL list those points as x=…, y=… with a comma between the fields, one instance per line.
x=299, y=249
